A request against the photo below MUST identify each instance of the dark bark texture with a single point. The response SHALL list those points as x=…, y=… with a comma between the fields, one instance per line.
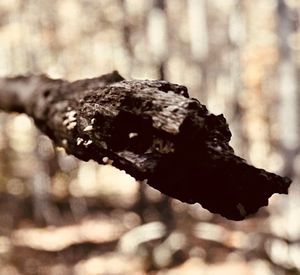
x=152, y=130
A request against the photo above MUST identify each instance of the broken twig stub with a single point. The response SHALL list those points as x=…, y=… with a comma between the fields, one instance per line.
x=152, y=130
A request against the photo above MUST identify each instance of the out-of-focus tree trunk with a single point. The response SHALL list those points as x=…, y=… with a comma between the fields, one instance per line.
x=199, y=43
x=288, y=87
x=259, y=58
x=45, y=212
x=288, y=111
x=157, y=32
x=237, y=35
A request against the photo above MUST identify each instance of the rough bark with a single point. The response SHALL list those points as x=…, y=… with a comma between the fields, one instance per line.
x=152, y=130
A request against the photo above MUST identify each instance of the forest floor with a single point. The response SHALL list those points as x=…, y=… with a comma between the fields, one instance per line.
x=138, y=231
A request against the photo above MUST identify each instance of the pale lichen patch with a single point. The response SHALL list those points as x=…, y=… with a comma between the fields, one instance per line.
x=71, y=125
x=88, y=128
x=163, y=146
x=87, y=143
x=105, y=160
x=79, y=141
x=70, y=119
x=132, y=135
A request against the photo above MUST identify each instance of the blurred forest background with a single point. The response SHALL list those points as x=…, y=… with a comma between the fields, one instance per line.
x=239, y=57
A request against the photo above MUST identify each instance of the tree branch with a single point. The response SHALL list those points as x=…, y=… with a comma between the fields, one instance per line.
x=152, y=130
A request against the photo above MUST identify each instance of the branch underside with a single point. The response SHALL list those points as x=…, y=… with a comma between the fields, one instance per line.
x=152, y=130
